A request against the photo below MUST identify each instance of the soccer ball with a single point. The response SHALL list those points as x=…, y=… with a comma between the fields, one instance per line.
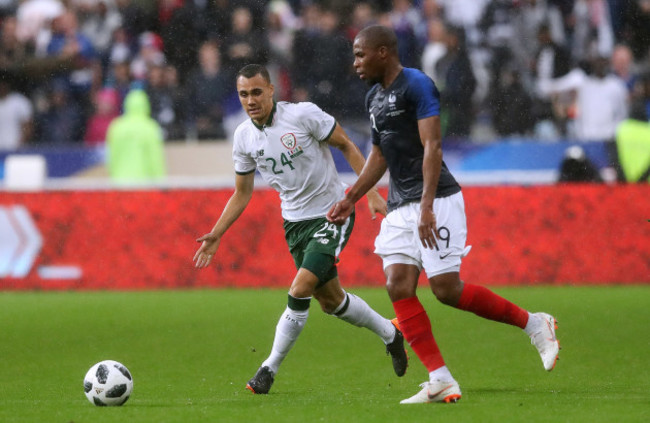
x=108, y=383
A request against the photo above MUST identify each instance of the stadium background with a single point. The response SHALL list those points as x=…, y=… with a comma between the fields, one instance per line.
x=79, y=230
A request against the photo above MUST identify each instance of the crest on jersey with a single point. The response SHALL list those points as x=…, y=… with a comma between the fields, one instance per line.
x=289, y=141
x=392, y=98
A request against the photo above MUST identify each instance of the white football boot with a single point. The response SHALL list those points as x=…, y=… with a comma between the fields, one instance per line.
x=436, y=391
x=543, y=338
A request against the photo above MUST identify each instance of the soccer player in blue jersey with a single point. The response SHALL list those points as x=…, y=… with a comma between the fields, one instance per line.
x=425, y=227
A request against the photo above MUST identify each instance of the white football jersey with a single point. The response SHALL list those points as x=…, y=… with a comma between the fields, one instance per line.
x=293, y=157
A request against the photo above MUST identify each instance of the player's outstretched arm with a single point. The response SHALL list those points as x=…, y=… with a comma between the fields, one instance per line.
x=234, y=208
x=351, y=153
x=372, y=172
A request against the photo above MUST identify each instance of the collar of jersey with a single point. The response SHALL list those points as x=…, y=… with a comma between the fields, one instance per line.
x=269, y=120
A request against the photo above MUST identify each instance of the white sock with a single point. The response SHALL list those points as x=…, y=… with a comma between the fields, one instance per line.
x=357, y=312
x=286, y=333
x=531, y=325
x=441, y=373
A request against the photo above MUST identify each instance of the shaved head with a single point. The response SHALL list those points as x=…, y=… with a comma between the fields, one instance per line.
x=376, y=36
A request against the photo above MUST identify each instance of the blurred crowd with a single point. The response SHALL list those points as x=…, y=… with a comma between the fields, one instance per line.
x=541, y=69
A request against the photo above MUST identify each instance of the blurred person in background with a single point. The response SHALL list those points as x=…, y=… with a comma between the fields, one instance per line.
x=34, y=18
x=465, y=14
x=640, y=99
x=406, y=21
x=150, y=53
x=331, y=85
x=289, y=144
x=86, y=72
x=623, y=65
x=601, y=100
x=302, y=53
x=99, y=21
x=166, y=101
x=498, y=29
x=551, y=61
x=120, y=48
x=529, y=18
x=244, y=44
x=106, y=105
x=208, y=86
x=281, y=25
x=363, y=15
x=220, y=17
x=135, y=19
x=511, y=105
x=188, y=26
x=593, y=34
x=16, y=116
x=119, y=78
x=636, y=28
x=576, y=167
x=633, y=150
x=435, y=49
x=33, y=70
x=457, y=85
x=135, y=142
x=12, y=49
x=59, y=120
x=178, y=93
x=165, y=10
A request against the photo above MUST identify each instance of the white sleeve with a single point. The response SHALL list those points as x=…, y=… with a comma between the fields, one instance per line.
x=242, y=160
x=316, y=121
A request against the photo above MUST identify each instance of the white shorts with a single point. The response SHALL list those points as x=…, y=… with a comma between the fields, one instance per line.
x=399, y=241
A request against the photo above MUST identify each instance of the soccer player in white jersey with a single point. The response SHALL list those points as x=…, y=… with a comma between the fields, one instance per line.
x=425, y=228
x=288, y=143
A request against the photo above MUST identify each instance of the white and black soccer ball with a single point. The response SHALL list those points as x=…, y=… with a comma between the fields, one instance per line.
x=108, y=383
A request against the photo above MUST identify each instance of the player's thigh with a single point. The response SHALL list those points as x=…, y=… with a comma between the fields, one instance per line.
x=317, y=236
x=397, y=242
x=446, y=256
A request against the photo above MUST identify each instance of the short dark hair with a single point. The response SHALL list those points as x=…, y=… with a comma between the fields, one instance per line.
x=251, y=70
x=377, y=36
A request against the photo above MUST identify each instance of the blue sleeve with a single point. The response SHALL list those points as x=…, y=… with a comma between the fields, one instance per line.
x=424, y=94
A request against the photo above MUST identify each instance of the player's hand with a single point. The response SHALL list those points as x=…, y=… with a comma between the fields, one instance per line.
x=376, y=204
x=205, y=253
x=340, y=211
x=427, y=228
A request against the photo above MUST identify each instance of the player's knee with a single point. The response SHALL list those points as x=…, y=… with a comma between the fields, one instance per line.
x=443, y=294
x=399, y=289
x=300, y=291
x=446, y=289
x=327, y=303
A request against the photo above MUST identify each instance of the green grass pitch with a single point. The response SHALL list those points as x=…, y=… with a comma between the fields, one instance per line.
x=191, y=353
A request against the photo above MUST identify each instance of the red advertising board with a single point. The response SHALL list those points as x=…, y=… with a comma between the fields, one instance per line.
x=573, y=234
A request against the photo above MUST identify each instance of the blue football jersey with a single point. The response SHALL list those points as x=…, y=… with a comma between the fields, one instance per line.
x=394, y=114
